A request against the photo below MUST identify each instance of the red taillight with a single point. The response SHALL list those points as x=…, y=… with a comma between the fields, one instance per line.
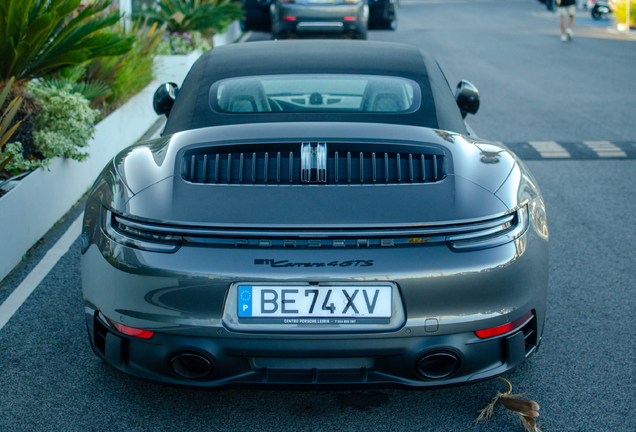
x=496, y=331
x=289, y=18
x=348, y=18
x=143, y=334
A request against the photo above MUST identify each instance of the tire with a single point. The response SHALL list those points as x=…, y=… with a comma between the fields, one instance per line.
x=596, y=14
x=392, y=22
x=281, y=35
x=362, y=35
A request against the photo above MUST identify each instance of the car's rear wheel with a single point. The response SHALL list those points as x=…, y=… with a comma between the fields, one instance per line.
x=359, y=34
x=391, y=22
x=281, y=35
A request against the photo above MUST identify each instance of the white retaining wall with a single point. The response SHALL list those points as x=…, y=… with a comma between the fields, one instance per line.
x=230, y=36
x=34, y=204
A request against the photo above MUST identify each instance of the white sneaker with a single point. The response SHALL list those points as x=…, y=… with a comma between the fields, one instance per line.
x=564, y=38
x=569, y=33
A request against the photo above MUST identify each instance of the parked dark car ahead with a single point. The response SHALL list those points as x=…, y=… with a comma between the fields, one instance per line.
x=315, y=213
x=312, y=17
x=257, y=15
x=383, y=14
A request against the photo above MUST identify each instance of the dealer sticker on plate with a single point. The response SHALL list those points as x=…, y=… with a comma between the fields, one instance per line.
x=310, y=304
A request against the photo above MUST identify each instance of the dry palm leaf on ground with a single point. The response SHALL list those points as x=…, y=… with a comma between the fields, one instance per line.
x=527, y=410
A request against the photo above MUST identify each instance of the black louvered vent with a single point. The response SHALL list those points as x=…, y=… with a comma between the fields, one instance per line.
x=348, y=164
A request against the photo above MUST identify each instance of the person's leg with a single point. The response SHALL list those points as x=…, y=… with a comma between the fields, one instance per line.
x=563, y=24
x=571, y=12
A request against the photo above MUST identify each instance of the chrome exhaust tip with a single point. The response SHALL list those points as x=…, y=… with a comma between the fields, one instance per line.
x=438, y=364
x=191, y=365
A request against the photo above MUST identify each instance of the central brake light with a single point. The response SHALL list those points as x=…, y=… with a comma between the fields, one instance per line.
x=289, y=18
x=502, y=329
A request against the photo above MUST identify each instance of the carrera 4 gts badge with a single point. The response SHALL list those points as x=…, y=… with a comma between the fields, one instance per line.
x=286, y=263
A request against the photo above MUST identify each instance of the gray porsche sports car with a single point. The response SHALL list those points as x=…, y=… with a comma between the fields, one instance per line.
x=315, y=213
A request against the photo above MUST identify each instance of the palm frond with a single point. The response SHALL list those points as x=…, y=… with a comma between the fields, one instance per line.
x=205, y=16
x=37, y=37
x=526, y=410
x=71, y=79
x=6, y=118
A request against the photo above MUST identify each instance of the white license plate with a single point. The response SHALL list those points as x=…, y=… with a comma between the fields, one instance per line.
x=307, y=304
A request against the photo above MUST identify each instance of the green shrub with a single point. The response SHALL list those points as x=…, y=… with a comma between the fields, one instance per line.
x=620, y=15
x=186, y=16
x=18, y=162
x=39, y=37
x=71, y=77
x=128, y=74
x=63, y=127
x=182, y=43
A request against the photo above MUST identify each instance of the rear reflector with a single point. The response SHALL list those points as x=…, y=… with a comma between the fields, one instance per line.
x=496, y=331
x=143, y=334
x=289, y=18
x=349, y=18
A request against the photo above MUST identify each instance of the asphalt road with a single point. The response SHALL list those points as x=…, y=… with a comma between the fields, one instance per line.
x=584, y=376
x=533, y=87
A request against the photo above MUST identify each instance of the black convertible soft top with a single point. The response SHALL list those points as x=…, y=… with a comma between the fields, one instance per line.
x=437, y=110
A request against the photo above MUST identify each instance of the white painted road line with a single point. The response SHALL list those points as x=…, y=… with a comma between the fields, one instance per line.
x=605, y=149
x=31, y=282
x=550, y=149
x=245, y=37
x=157, y=133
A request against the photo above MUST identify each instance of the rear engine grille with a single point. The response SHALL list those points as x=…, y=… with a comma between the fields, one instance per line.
x=346, y=165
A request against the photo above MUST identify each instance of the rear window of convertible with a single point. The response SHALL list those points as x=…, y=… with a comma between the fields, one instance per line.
x=315, y=93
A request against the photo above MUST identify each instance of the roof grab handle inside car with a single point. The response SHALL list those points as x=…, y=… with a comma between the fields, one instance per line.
x=467, y=97
x=164, y=98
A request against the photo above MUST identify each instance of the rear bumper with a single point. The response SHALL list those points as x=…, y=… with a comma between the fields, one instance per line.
x=384, y=360
x=294, y=18
x=446, y=296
